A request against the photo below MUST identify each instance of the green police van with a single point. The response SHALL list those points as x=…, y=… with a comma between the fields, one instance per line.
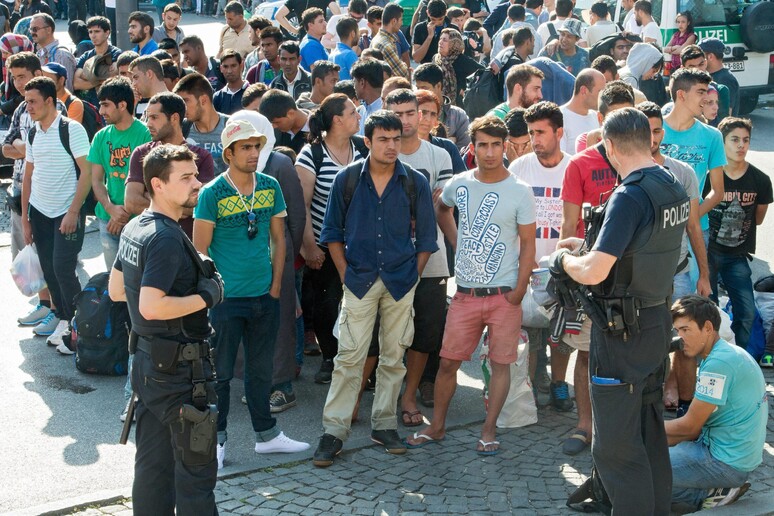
x=745, y=26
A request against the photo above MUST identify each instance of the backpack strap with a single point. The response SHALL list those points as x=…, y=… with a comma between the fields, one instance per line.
x=409, y=184
x=317, y=156
x=350, y=184
x=186, y=126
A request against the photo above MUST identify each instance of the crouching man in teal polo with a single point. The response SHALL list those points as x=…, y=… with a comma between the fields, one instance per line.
x=719, y=441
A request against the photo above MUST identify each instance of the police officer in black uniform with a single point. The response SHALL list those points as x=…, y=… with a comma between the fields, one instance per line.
x=168, y=289
x=632, y=260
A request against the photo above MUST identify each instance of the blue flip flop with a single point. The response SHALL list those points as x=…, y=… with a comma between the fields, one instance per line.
x=485, y=452
x=427, y=440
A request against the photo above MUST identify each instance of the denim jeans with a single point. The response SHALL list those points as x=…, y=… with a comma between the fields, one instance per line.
x=109, y=244
x=682, y=286
x=695, y=472
x=736, y=275
x=254, y=321
x=58, y=255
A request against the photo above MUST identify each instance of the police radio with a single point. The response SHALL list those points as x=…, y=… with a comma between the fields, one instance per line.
x=592, y=220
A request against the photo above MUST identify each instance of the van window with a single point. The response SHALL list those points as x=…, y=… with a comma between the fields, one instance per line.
x=714, y=12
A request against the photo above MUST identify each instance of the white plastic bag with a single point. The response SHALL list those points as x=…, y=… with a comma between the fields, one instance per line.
x=725, y=322
x=533, y=315
x=26, y=271
x=519, y=408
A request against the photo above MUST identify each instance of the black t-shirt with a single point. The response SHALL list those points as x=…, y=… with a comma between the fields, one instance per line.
x=420, y=35
x=169, y=267
x=476, y=6
x=297, y=8
x=732, y=220
x=463, y=67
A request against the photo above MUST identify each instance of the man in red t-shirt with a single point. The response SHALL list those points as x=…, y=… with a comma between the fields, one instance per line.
x=164, y=116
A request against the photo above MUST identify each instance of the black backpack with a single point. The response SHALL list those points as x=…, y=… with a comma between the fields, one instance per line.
x=101, y=329
x=92, y=120
x=64, y=136
x=485, y=89
x=317, y=151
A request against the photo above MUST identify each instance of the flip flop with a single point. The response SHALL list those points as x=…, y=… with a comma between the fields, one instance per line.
x=485, y=452
x=427, y=440
x=410, y=417
x=576, y=443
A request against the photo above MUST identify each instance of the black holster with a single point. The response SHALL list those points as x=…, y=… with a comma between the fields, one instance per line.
x=200, y=430
x=621, y=316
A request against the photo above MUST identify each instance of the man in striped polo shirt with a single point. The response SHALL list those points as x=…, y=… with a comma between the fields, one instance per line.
x=53, y=195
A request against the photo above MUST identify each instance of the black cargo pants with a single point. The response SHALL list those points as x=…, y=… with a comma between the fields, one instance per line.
x=163, y=481
x=630, y=447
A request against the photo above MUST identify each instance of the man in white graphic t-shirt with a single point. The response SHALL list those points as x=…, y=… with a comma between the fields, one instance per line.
x=495, y=252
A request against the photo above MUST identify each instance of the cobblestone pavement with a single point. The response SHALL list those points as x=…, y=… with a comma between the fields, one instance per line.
x=530, y=475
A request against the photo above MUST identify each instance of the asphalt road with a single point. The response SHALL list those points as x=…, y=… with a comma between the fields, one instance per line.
x=59, y=428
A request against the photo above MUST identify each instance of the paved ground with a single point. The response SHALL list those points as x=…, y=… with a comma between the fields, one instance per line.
x=60, y=428
x=529, y=476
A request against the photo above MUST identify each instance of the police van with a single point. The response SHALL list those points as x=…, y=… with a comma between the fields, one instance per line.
x=745, y=26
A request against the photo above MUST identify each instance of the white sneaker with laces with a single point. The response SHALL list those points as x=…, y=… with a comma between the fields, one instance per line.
x=35, y=316
x=281, y=444
x=55, y=339
x=221, y=455
x=63, y=349
x=722, y=496
x=47, y=325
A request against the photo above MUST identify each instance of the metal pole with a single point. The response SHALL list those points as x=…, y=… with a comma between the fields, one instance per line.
x=123, y=9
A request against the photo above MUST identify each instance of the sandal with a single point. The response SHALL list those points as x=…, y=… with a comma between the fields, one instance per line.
x=426, y=439
x=408, y=418
x=576, y=443
x=484, y=451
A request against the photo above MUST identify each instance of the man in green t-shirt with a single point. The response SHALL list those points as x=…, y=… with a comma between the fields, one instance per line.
x=109, y=159
x=240, y=219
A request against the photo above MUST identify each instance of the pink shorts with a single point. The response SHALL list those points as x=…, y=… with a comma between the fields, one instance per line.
x=465, y=322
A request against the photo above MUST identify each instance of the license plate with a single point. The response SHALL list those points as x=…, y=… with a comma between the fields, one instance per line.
x=735, y=66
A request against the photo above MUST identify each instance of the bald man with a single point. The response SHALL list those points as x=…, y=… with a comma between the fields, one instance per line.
x=580, y=115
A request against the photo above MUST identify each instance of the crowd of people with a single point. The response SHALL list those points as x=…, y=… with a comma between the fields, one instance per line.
x=375, y=185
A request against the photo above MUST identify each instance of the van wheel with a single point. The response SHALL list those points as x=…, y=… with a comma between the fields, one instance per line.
x=747, y=103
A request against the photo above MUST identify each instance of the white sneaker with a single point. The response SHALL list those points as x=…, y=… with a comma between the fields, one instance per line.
x=35, y=316
x=63, y=349
x=55, y=339
x=47, y=325
x=281, y=444
x=221, y=455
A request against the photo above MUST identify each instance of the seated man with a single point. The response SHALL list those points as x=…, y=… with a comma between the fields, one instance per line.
x=720, y=439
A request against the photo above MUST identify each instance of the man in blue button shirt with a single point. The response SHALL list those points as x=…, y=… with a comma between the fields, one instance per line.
x=141, y=33
x=380, y=240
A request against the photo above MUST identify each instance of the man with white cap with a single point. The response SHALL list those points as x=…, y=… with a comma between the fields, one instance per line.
x=239, y=215
x=573, y=57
